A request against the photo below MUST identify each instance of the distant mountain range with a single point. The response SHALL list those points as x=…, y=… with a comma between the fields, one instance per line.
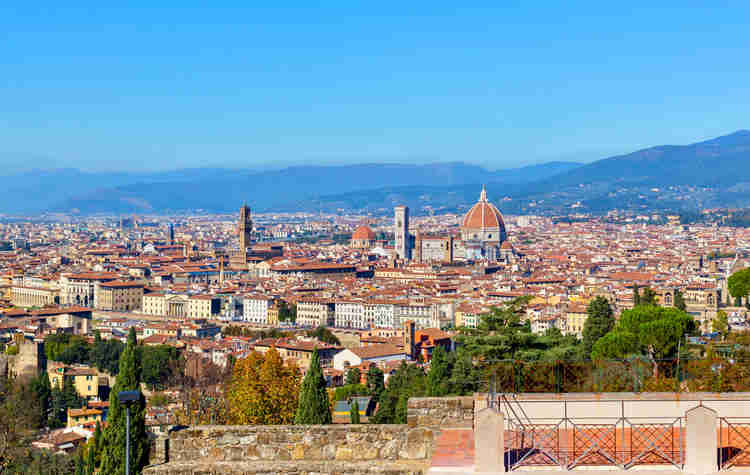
x=723, y=161
x=621, y=181
x=66, y=190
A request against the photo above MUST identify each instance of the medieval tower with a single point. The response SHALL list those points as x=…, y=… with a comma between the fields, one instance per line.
x=401, y=232
x=245, y=227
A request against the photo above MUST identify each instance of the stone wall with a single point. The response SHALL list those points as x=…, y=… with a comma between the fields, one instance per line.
x=299, y=449
x=340, y=448
x=441, y=412
x=4, y=361
x=283, y=443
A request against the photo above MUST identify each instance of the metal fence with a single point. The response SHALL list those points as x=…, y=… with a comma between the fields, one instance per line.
x=633, y=375
x=570, y=442
x=734, y=442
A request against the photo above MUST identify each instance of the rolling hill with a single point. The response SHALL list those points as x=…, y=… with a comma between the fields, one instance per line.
x=297, y=186
x=718, y=165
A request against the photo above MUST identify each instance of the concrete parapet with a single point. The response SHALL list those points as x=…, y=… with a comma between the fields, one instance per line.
x=489, y=441
x=701, y=447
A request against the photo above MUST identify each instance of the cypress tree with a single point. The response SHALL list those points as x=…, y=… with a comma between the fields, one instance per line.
x=353, y=376
x=314, y=406
x=375, y=382
x=91, y=457
x=599, y=321
x=43, y=393
x=354, y=412
x=97, y=443
x=80, y=469
x=113, y=440
x=439, y=375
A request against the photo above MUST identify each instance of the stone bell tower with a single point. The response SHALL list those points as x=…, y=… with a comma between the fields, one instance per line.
x=245, y=227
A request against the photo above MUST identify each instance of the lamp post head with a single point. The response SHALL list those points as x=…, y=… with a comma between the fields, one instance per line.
x=128, y=397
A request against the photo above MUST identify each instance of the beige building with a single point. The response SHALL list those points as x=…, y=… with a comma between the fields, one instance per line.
x=273, y=315
x=162, y=329
x=22, y=296
x=315, y=313
x=203, y=306
x=79, y=289
x=181, y=306
x=433, y=248
x=154, y=304
x=118, y=296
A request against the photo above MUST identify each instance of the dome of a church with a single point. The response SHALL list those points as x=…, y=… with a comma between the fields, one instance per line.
x=363, y=233
x=483, y=215
x=506, y=245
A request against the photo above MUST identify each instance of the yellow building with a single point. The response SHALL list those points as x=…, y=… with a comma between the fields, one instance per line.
x=468, y=315
x=77, y=417
x=273, y=315
x=203, y=306
x=575, y=319
x=85, y=380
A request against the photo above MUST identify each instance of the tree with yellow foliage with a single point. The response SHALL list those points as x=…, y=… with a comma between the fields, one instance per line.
x=263, y=390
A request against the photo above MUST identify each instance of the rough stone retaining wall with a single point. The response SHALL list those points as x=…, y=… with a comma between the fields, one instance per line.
x=441, y=412
x=340, y=448
x=207, y=444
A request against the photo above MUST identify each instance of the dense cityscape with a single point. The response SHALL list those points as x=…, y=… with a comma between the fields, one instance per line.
x=371, y=309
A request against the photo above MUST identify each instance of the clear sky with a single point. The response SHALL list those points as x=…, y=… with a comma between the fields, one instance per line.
x=496, y=83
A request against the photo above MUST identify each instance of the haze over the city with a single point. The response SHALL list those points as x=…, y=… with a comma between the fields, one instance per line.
x=144, y=88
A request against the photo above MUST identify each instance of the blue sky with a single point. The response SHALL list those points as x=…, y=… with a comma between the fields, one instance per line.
x=500, y=84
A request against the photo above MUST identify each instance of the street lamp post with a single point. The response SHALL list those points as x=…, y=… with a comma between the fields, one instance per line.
x=128, y=398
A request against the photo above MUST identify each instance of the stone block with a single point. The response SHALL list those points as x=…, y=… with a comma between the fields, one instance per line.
x=701, y=447
x=489, y=441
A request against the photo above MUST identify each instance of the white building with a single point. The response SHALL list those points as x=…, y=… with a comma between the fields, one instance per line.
x=375, y=354
x=380, y=315
x=349, y=314
x=255, y=309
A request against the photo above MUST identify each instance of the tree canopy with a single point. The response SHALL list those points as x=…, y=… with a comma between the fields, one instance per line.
x=500, y=335
x=739, y=283
x=325, y=335
x=720, y=324
x=408, y=381
x=646, y=330
x=375, y=382
x=73, y=349
x=354, y=413
x=353, y=376
x=679, y=300
x=263, y=390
